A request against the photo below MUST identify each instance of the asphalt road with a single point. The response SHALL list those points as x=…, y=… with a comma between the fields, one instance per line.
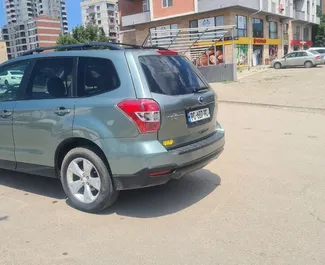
x=261, y=202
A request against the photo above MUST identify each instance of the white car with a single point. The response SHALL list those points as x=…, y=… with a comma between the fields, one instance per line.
x=320, y=50
x=10, y=78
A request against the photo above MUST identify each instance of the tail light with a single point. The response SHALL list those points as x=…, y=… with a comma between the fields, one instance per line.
x=167, y=52
x=318, y=57
x=145, y=113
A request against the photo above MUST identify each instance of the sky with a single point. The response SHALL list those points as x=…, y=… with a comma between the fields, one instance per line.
x=73, y=10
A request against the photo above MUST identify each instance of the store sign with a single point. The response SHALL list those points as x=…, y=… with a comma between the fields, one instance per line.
x=308, y=43
x=259, y=41
x=206, y=23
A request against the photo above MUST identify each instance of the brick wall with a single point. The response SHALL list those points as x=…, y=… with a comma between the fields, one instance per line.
x=179, y=7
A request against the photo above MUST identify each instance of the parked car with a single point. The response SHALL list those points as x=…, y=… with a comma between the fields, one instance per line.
x=299, y=58
x=10, y=78
x=320, y=50
x=108, y=120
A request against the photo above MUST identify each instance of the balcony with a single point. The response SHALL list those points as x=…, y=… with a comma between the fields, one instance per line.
x=135, y=19
x=208, y=5
x=299, y=15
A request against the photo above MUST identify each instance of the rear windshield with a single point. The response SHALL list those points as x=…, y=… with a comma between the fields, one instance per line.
x=170, y=75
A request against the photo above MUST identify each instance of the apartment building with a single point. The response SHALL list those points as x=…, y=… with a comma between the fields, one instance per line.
x=33, y=23
x=42, y=31
x=265, y=29
x=104, y=14
x=3, y=52
x=17, y=11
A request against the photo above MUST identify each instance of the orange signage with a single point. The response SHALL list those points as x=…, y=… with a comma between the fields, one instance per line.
x=259, y=41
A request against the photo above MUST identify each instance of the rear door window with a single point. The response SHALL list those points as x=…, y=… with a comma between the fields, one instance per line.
x=170, y=75
x=97, y=76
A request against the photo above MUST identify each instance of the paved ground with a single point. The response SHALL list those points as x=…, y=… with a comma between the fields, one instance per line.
x=262, y=202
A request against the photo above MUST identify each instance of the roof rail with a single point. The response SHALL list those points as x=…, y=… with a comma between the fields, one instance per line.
x=85, y=46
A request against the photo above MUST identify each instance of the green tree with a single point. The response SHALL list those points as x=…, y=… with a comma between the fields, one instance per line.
x=320, y=35
x=83, y=34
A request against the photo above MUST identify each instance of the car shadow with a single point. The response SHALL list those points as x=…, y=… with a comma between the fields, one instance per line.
x=167, y=199
x=151, y=202
x=48, y=187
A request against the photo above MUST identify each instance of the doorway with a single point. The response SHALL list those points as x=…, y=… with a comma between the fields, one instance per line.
x=257, y=55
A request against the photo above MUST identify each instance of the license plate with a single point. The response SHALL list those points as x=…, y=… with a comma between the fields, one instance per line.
x=198, y=115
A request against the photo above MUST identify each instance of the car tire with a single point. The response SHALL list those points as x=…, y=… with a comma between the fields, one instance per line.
x=92, y=195
x=7, y=84
x=277, y=66
x=308, y=64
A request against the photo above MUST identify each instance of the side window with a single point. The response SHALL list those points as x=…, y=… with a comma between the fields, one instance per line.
x=302, y=54
x=291, y=55
x=51, y=78
x=10, y=80
x=96, y=76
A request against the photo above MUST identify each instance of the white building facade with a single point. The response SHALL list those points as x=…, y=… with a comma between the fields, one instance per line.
x=104, y=14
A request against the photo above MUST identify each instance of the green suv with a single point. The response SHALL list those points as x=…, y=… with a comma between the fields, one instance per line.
x=107, y=117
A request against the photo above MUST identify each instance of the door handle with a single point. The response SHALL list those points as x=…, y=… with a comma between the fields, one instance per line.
x=5, y=113
x=61, y=111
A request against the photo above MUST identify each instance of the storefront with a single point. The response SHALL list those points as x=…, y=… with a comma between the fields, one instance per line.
x=263, y=51
x=301, y=44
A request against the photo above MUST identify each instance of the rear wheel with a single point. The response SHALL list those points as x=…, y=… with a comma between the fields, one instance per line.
x=308, y=64
x=86, y=181
x=277, y=66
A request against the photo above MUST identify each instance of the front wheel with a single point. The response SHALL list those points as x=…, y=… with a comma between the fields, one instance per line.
x=277, y=66
x=308, y=64
x=86, y=181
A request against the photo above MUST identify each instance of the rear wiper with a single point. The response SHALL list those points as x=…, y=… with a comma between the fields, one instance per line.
x=197, y=90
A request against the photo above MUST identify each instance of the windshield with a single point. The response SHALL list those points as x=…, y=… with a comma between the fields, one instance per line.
x=170, y=75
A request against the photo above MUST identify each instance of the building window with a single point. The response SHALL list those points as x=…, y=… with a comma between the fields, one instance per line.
x=206, y=23
x=167, y=3
x=145, y=5
x=273, y=30
x=306, y=34
x=98, y=8
x=308, y=7
x=194, y=33
x=258, y=28
x=241, y=25
x=219, y=21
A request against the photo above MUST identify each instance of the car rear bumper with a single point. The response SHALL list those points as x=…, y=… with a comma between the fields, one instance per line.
x=143, y=179
x=161, y=167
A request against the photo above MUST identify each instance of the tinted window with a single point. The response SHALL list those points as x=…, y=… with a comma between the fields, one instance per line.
x=9, y=84
x=51, y=78
x=170, y=75
x=98, y=76
x=321, y=51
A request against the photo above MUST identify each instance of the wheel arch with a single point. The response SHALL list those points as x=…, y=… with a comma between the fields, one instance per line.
x=308, y=61
x=74, y=142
